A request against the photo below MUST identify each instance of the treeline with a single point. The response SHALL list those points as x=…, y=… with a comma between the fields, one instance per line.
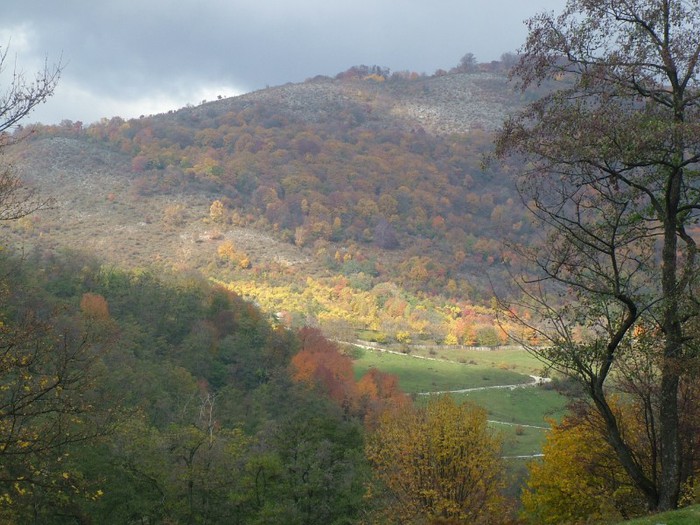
x=383, y=314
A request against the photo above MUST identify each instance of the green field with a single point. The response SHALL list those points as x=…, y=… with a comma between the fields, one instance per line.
x=513, y=358
x=517, y=412
x=514, y=412
x=422, y=375
x=525, y=406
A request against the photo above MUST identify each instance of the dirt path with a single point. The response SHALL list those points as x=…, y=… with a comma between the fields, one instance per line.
x=536, y=381
x=509, y=424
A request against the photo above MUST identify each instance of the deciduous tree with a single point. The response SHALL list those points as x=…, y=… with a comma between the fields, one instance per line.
x=611, y=160
x=439, y=461
x=16, y=102
x=580, y=479
x=46, y=358
x=46, y=396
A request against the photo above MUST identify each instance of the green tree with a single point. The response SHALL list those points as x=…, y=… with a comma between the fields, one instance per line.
x=611, y=161
x=307, y=466
x=49, y=403
x=203, y=459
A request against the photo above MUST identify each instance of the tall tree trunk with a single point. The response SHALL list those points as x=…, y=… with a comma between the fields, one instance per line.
x=670, y=481
x=669, y=484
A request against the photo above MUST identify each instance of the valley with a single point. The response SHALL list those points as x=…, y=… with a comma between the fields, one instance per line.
x=107, y=206
x=339, y=241
x=375, y=297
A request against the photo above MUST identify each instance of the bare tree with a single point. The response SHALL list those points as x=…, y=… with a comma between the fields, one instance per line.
x=22, y=95
x=16, y=102
x=46, y=361
x=467, y=64
x=610, y=166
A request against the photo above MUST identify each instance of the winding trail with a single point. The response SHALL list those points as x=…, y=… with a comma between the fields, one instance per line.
x=509, y=424
x=536, y=381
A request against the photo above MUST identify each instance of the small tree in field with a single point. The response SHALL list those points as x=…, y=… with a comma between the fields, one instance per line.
x=611, y=161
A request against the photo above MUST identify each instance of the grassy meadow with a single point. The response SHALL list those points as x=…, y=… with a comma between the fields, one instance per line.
x=422, y=375
x=519, y=414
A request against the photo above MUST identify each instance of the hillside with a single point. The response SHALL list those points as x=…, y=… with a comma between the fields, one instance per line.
x=368, y=185
x=441, y=105
x=94, y=209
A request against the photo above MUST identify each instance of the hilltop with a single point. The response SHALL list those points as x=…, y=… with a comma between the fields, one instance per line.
x=440, y=105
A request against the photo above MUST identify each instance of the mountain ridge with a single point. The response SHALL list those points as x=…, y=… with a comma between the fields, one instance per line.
x=450, y=103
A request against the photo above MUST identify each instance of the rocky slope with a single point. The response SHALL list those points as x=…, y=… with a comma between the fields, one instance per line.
x=454, y=103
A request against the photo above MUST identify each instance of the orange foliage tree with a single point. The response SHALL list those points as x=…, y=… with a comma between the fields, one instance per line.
x=320, y=363
x=94, y=306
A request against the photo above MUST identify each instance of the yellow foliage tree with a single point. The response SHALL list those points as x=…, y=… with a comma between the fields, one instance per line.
x=217, y=211
x=580, y=479
x=438, y=462
x=227, y=252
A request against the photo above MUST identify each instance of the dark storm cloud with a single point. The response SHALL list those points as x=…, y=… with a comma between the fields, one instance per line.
x=126, y=51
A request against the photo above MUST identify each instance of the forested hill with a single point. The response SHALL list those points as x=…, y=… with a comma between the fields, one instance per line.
x=367, y=181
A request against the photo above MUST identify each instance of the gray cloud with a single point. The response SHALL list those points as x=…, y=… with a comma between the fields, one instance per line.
x=122, y=55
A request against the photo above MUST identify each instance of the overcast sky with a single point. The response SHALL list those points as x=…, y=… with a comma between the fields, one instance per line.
x=133, y=57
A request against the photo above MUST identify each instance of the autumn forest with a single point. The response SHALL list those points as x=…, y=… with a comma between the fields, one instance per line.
x=374, y=298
